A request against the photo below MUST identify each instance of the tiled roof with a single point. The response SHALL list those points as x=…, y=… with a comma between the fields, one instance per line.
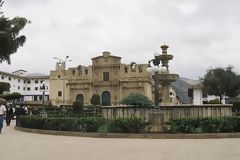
x=37, y=75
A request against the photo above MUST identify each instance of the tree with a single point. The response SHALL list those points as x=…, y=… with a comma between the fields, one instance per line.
x=136, y=100
x=13, y=96
x=220, y=81
x=4, y=87
x=95, y=100
x=10, y=40
x=77, y=107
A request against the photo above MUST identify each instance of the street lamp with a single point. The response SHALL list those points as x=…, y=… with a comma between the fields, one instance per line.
x=43, y=89
x=155, y=70
x=63, y=64
x=161, y=75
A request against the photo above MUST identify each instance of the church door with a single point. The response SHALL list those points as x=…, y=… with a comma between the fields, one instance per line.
x=106, y=98
x=80, y=98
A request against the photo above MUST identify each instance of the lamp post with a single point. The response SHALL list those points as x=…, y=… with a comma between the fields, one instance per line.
x=161, y=75
x=43, y=88
x=154, y=71
x=63, y=64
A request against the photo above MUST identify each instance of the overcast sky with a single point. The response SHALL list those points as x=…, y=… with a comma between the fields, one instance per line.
x=200, y=33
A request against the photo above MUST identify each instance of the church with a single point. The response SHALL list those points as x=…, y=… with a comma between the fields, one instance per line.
x=107, y=77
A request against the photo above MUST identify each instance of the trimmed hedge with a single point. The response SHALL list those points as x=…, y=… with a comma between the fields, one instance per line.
x=127, y=125
x=137, y=100
x=77, y=107
x=236, y=107
x=82, y=124
x=205, y=125
x=95, y=100
x=70, y=114
x=214, y=101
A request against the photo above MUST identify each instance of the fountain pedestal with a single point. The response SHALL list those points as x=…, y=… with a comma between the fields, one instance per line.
x=165, y=81
x=165, y=78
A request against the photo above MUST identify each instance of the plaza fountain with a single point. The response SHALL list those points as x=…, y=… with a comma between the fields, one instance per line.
x=162, y=76
x=165, y=77
x=164, y=110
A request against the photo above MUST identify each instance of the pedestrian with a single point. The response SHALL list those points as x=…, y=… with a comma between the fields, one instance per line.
x=26, y=110
x=2, y=114
x=14, y=110
x=19, y=111
x=9, y=114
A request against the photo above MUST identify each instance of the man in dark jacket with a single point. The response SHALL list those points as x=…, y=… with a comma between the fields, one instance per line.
x=19, y=111
x=9, y=114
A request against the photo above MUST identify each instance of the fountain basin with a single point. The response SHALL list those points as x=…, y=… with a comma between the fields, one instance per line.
x=166, y=57
x=168, y=77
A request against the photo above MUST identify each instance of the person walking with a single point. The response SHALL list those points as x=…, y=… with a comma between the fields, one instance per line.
x=9, y=114
x=20, y=111
x=2, y=114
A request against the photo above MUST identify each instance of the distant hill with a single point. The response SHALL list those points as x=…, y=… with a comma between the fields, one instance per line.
x=181, y=87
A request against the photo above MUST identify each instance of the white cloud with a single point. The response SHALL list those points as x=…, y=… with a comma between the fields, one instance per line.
x=187, y=8
x=200, y=33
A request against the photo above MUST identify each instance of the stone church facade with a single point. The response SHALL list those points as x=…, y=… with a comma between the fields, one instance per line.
x=107, y=77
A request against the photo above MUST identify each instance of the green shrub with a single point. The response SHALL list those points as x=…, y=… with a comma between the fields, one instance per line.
x=103, y=128
x=4, y=87
x=127, y=125
x=184, y=125
x=136, y=100
x=214, y=101
x=95, y=100
x=84, y=113
x=77, y=107
x=211, y=125
x=236, y=107
x=35, y=122
x=12, y=96
x=205, y=125
x=82, y=124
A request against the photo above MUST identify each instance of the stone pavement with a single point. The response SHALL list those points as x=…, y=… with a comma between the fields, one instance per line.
x=17, y=145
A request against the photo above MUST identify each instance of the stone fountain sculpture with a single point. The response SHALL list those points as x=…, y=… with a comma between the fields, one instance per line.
x=165, y=77
x=162, y=76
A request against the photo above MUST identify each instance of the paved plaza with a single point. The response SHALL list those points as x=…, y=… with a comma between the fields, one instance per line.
x=17, y=145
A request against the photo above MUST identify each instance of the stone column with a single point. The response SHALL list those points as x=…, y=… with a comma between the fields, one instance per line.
x=165, y=93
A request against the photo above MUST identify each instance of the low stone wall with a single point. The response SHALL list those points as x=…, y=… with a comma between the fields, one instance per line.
x=159, y=116
x=196, y=111
x=112, y=112
x=169, y=111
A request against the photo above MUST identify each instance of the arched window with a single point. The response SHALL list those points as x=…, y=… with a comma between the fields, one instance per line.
x=140, y=68
x=126, y=70
x=79, y=68
x=86, y=71
x=133, y=66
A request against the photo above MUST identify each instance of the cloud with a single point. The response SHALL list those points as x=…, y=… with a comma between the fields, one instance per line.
x=200, y=33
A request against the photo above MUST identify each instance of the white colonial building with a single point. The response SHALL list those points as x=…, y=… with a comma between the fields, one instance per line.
x=28, y=85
